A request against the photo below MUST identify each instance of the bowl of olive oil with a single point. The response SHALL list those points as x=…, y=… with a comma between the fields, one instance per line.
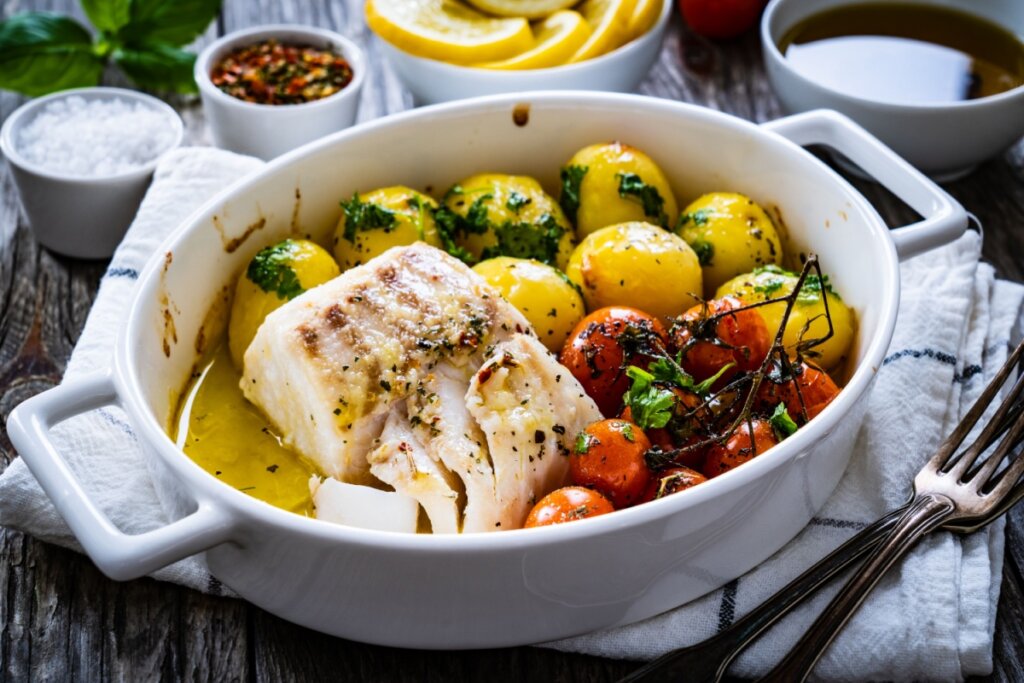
x=941, y=82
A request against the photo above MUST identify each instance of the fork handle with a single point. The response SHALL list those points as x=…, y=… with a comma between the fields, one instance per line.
x=926, y=513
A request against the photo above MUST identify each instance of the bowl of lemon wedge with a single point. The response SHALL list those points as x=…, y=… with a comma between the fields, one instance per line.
x=445, y=50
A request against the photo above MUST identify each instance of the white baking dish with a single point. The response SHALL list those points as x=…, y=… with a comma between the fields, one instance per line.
x=511, y=587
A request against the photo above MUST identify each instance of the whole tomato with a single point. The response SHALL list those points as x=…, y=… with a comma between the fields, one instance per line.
x=747, y=442
x=672, y=480
x=712, y=335
x=720, y=18
x=816, y=390
x=604, y=344
x=609, y=458
x=566, y=505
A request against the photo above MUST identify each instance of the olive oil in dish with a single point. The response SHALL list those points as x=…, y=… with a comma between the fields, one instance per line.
x=905, y=53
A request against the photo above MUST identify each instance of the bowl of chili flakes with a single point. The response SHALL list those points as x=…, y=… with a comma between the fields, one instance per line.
x=269, y=89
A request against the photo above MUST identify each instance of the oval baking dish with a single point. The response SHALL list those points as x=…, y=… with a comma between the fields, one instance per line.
x=512, y=587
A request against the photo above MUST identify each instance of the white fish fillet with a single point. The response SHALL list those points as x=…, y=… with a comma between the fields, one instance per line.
x=327, y=367
x=530, y=408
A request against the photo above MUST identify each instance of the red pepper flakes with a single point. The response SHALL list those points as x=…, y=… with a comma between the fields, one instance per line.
x=271, y=73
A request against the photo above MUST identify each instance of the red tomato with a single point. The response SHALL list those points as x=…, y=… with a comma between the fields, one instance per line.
x=708, y=345
x=603, y=345
x=567, y=505
x=672, y=480
x=816, y=388
x=740, y=447
x=609, y=457
x=721, y=18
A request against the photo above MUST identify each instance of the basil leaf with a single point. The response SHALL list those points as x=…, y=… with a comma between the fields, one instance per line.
x=108, y=16
x=158, y=66
x=174, y=22
x=41, y=53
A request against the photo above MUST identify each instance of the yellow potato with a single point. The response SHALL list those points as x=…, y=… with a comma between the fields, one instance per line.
x=731, y=235
x=543, y=294
x=373, y=222
x=772, y=282
x=637, y=264
x=614, y=183
x=491, y=214
x=275, y=275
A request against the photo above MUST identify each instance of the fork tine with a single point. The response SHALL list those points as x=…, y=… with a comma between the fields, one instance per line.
x=1005, y=417
x=1008, y=478
x=943, y=457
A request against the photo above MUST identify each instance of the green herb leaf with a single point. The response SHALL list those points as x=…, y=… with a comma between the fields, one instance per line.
x=664, y=370
x=782, y=422
x=363, y=216
x=476, y=222
x=569, y=199
x=448, y=222
x=812, y=289
x=158, y=66
x=172, y=22
x=516, y=201
x=538, y=241
x=650, y=405
x=632, y=185
x=271, y=270
x=627, y=431
x=584, y=441
x=705, y=251
x=42, y=53
x=108, y=16
x=705, y=387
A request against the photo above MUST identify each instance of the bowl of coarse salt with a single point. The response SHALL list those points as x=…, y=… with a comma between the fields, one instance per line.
x=82, y=160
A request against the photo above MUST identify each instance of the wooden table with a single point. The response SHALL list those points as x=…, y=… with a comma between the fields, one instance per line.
x=61, y=620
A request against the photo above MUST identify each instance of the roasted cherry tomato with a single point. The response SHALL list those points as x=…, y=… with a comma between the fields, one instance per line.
x=712, y=335
x=672, y=480
x=720, y=18
x=567, y=505
x=609, y=457
x=604, y=344
x=748, y=441
x=815, y=386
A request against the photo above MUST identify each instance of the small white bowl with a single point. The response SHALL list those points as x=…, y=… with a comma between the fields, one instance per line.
x=269, y=130
x=80, y=216
x=945, y=141
x=621, y=70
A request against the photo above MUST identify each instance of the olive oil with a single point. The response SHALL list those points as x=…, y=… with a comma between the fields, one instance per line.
x=905, y=53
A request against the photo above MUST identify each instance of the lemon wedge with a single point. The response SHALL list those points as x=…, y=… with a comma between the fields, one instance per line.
x=556, y=39
x=531, y=9
x=644, y=17
x=447, y=30
x=609, y=26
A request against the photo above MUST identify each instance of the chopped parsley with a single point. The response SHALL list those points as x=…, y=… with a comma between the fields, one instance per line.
x=699, y=217
x=627, y=431
x=421, y=211
x=704, y=388
x=476, y=222
x=271, y=270
x=705, y=251
x=810, y=293
x=363, y=216
x=538, y=241
x=631, y=185
x=516, y=201
x=584, y=441
x=782, y=422
x=569, y=199
x=664, y=370
x=649, y=404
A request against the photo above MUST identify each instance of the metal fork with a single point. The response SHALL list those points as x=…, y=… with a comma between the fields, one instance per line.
x=708, y=660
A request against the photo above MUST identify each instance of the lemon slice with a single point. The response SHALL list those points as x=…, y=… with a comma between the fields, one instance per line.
x=447, y=30
x=609, y=26
x=644, y=17
x=556, y=39
x=531, y=9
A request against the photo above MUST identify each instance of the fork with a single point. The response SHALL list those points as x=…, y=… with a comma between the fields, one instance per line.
x=949, y=488
x=707, y=661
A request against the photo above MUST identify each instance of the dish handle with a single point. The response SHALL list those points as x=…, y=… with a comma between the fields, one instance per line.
x=944, y=219
x=118, y=555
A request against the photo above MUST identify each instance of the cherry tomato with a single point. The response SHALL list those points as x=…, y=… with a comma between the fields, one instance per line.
x=672, y=480
x=604, y=344
x=567, y=505
x=740, y=447
x=714, y=334
x=609, y=457
x=816, y=388
x=721, y=18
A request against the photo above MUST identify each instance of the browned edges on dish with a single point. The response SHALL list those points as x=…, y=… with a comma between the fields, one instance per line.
x=233, y=243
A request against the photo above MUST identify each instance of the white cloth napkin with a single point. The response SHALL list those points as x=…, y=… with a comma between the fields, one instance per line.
x=932, y=619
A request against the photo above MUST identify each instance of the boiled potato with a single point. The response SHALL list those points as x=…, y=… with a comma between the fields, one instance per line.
x=731, y=234
x=544, y=295
x=491, y=214
x=373, y=222
x=276, y=275
x=772, y=282
x=639, y=265
x=614, y=183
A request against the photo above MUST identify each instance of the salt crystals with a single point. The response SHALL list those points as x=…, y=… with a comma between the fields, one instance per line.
x=97, y=137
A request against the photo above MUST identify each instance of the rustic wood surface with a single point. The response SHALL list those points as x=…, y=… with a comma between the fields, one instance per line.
x=61, y=620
